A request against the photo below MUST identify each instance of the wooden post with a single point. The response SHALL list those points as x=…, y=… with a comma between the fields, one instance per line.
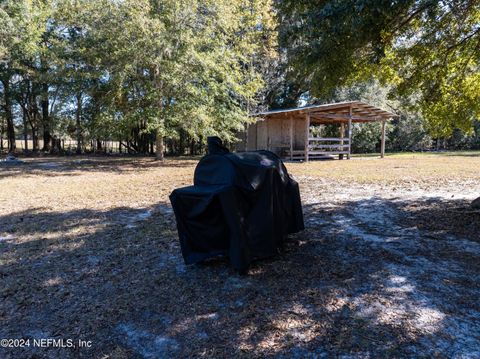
x=349, y=129
x=382, y=144
x=245, y=147
x=342, y=135
x=307, y=135
x=267, y=123
x=291, y=138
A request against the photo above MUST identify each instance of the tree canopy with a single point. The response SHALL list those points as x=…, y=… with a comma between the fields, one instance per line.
x=139, y=72
x=426, y=48
x=151, y=67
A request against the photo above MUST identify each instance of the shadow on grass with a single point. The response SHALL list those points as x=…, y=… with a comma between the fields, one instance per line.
x=357, y=281
x=65, y=166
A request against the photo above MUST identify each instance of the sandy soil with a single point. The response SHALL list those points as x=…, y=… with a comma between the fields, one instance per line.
x=388, y=264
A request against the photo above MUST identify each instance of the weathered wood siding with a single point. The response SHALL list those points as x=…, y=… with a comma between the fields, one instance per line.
x=262, y=135
x=252, y=137
x=299, y=134
x=275, y=133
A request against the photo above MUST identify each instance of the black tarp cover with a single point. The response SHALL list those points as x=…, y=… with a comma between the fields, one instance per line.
x=241, y=204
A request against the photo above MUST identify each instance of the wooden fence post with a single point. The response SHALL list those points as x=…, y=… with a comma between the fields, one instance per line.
x=307, y=135
x=382, y=144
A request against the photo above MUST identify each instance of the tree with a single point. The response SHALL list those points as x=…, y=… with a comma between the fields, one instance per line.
x=138, y=70
x=172, y=66
x=426, y=47
x=23, y=28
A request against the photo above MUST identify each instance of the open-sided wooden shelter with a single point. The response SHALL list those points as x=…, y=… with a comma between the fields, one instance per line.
x=288, y=132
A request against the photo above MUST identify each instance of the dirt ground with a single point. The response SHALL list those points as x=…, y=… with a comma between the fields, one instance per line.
x=388, y=265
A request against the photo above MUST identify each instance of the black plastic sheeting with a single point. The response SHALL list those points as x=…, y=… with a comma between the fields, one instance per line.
x=242, y=205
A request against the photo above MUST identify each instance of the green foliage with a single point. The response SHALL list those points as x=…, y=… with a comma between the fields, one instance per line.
x=173, y=65
x=130, y=69
x=403, y=134
x=113, y=68
x=425, y=48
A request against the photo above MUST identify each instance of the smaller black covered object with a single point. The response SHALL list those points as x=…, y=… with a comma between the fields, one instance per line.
x=241, y=205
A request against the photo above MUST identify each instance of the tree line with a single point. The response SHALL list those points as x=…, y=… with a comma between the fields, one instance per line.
x=136, y=71
x=161, y=75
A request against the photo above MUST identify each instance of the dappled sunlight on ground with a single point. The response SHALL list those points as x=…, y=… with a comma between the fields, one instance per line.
x=388, y=264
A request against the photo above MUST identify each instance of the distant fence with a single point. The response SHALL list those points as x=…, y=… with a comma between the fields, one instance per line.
x=69, y=145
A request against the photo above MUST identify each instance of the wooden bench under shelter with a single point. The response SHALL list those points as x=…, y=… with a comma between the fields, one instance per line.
x=288, y=132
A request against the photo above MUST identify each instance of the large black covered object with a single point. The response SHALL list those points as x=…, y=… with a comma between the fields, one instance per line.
x=241, y=204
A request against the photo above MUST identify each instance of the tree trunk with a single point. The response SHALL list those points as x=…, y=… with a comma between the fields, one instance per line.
x=10, y=133
x=47, y=136
x=34, y=136
x=77, y=118
x=159, y=145
x=25, y=130
x=9, y=116
x=2, y=129
x=192, y=147
x=181, y=143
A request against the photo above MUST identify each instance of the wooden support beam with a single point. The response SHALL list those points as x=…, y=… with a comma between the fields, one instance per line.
x=329, y=146
x=342, y=135
x=333, y=139
x=319, y=152
x=329, y=116
x=349, y=129
x=298, y=152
x=291, y=138
x=382, y=144
x=269, y=142
x=307, y=134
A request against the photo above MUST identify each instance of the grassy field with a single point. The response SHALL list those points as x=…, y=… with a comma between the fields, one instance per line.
x=388, y=264
x=467, y=153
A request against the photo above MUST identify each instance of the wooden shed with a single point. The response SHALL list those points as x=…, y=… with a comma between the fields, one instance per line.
x=288, y=132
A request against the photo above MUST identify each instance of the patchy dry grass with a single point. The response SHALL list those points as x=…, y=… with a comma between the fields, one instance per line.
x=399, y=169
x=387, y=266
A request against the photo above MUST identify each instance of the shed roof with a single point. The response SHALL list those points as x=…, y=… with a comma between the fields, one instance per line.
x=333, y=112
